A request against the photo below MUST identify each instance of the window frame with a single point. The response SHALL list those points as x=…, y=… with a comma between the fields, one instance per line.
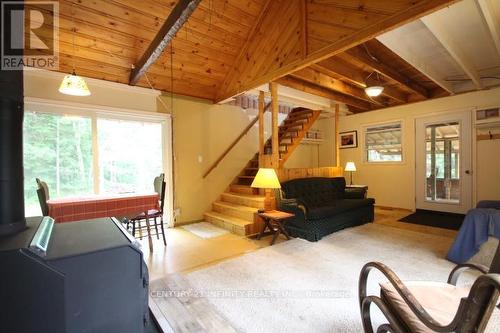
x=93, y=112
x=364, y=157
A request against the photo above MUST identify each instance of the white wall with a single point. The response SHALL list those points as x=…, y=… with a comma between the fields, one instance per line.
x=393, y=185
x=316, y=155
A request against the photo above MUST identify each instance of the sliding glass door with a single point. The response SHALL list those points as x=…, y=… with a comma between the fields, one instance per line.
x=80, y=151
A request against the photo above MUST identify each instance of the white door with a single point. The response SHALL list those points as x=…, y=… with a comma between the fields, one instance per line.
x=443, y=163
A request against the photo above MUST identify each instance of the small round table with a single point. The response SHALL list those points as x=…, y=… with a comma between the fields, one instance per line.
x=274, y=220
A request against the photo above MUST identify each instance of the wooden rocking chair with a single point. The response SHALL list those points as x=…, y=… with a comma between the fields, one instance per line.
x=432, y=306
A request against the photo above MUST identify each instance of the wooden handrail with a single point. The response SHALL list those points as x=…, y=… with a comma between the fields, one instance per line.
x=231, y=146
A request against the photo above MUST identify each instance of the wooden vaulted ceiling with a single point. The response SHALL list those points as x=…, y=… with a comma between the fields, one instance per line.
x=227, y=47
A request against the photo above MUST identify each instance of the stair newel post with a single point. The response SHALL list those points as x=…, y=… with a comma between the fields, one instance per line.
x=337, y=143
x=273, y=88
x=261, y=128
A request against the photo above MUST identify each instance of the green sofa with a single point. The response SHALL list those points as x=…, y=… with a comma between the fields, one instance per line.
x=322, y=206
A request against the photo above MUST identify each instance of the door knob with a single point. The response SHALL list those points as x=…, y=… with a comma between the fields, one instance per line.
x=468, y=172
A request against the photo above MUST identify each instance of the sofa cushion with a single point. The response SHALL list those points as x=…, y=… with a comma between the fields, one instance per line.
x=440, y=300
x=316, y=191
x=336, y=207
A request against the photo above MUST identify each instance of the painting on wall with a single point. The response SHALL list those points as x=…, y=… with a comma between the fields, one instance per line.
x=348, y=139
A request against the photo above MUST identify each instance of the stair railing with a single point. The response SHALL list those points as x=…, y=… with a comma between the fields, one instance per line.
x=231, y=146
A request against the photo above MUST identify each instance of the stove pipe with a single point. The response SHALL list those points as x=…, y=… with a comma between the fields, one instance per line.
x=12, y=219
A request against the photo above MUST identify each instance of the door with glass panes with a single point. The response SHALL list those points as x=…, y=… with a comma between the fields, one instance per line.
x=443, y=163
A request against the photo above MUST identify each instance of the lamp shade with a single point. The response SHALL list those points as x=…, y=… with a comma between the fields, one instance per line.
x=374, y=91
x=350, y=166
x=74, y=85
x=266, y=178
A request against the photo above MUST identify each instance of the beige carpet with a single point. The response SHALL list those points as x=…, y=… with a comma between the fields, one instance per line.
x=298, y=286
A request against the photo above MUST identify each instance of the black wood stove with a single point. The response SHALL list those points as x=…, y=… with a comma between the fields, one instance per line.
x=86, y=276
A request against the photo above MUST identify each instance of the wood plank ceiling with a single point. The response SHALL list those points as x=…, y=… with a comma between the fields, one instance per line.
x=229, y=46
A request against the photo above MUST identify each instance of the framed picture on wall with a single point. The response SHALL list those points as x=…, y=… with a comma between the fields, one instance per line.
x=348, y=139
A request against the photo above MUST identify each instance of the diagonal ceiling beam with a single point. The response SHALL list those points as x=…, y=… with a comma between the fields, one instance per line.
x=312, y=75
x=361, y=55
x=443, y=36
x=486, y=8
x=310, y=88
x=269, y=57
x=337, y=67
x=179, y=14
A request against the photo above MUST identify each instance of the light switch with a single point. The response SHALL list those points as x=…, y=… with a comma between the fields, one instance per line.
x=200, y=159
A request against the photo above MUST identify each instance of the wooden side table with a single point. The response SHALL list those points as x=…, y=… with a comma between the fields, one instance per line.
x=275, y=220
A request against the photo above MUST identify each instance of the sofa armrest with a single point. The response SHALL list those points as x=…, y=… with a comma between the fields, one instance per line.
x=488, y=204
x=355, y=193
x=294, y=206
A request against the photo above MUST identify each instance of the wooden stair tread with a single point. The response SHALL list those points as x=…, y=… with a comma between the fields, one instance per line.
x=229, y=218
x=246, y=196
x=235, y=206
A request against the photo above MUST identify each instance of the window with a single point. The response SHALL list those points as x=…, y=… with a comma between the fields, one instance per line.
x=383, y=143
x=80, y=151
x=57, y=149
x=130, y=155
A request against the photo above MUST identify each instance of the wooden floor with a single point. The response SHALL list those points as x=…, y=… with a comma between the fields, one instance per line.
x=186, y=252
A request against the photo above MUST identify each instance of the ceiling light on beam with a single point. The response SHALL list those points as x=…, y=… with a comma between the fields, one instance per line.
x=374, y=91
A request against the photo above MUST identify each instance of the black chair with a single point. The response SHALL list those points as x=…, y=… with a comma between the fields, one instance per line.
x=153, y=214
x=43, y=195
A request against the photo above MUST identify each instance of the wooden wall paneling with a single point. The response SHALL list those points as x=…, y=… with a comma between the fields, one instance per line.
x=285, y=174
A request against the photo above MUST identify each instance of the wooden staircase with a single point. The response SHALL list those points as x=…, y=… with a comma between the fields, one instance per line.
x=235, y=210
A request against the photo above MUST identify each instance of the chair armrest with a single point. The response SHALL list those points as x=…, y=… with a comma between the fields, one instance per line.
x=354, y=193
x=459, y=269
x=407, y=297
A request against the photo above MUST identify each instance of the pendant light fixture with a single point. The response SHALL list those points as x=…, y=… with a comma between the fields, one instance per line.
x=73, y=84
x=373, y=91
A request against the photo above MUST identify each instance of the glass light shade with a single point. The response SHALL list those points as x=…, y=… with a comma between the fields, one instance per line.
x=374, y=91
x=74, y=85
x=266, y=178
x=350, y=166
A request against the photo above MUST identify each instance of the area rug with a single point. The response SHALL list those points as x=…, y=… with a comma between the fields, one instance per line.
x=300, y=286
x=205, y=230
x=435, y=219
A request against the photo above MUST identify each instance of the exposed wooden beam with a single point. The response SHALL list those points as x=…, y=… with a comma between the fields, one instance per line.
x=179, y=14
x=312, y=75
x=338, y=68
x=256, y=67
x=361, y=55
x=395, y=41
x=437, y=29
x=310, y=88
x=486, y=8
